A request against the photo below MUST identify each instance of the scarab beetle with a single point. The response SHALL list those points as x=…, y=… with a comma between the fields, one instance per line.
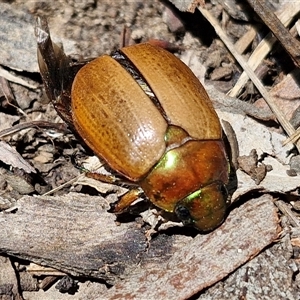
x=146, y=114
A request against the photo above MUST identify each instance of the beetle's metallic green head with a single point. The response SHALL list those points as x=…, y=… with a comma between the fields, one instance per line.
x=204, y=209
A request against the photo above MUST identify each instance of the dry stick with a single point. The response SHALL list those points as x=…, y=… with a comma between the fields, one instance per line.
x=62, y=127
x=286, y=13
x=284, y=208
x=280, y=117
x=294, y=137
x=4, y=73
x=246, y=40
x=291, y=45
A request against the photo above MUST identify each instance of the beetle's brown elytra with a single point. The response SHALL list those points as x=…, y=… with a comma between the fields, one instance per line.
x=182, y=96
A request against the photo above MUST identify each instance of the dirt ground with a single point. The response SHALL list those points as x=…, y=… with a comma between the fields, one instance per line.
x=65, y=245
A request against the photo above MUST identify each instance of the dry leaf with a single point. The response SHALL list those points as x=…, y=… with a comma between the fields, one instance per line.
x=268, y=144
x=17, y=34
x=11, y=157
x=285, y=94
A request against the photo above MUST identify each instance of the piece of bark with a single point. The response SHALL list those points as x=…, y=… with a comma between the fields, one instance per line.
x=75, y=234
x=72, y=233
x=268, y=276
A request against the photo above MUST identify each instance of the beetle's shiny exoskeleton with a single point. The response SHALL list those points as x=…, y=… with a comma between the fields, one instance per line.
x=145, y=113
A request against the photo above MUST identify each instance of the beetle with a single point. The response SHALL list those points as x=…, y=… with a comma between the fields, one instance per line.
x=145, y=113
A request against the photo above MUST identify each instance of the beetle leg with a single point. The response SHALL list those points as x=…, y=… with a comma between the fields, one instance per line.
x=102, y=177
x=231, y=143
x=125, y=201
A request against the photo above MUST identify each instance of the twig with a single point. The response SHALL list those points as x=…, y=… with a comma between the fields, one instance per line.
x=286, y=13
x=37, y=124
x=284, y=208
x=291, y=45
x=4, y=73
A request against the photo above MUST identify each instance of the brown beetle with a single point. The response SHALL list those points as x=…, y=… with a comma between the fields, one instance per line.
x=145, y=113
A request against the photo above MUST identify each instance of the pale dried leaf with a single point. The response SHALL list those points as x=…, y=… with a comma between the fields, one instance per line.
x=19, y=184
x=7, y=120
x=11, y=157
x=17, y=34
x=101, y=187
x=277, y=180
x=253, y=135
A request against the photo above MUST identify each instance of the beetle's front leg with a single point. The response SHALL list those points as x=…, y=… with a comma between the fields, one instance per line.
x=126, y=200
x=102, y=177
